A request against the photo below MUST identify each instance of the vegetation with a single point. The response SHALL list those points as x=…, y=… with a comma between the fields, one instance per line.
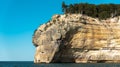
x=101, y=11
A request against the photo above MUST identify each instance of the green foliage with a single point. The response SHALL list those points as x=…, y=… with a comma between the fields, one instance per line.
x=101, y=11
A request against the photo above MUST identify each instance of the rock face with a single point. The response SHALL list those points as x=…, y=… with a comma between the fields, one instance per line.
x=77, y=38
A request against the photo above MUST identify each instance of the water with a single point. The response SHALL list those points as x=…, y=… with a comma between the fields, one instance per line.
x=31, y=64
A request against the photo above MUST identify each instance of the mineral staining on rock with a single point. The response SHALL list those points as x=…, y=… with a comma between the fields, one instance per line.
x=77, y=38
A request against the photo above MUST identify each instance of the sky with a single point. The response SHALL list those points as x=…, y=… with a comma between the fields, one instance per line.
x=19, y=19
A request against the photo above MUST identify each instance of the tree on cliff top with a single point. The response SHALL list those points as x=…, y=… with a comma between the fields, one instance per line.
x=64, y=7
x=101, y=11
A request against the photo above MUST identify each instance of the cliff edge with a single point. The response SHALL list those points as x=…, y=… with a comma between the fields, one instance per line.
x=77, y=38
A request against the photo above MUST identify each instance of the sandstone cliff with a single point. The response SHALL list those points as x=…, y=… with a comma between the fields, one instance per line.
x=77, y=38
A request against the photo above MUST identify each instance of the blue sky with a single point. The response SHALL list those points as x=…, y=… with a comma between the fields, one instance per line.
x=19, y=19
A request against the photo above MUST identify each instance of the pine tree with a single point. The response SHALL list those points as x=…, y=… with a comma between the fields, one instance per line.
x=64, y=7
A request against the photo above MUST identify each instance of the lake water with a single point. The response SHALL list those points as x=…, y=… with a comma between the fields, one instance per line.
x=31, y=64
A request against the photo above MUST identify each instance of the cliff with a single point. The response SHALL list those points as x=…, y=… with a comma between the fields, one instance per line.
x=77, y=38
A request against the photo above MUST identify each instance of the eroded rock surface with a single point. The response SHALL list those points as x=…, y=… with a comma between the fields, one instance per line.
x=78, y=38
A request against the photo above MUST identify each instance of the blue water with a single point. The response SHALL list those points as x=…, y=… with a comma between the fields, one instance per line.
x=31, y=64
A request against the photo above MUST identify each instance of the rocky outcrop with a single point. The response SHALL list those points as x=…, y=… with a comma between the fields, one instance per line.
x=77, y=38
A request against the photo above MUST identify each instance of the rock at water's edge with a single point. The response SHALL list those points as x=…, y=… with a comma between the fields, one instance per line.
x=77, y=38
